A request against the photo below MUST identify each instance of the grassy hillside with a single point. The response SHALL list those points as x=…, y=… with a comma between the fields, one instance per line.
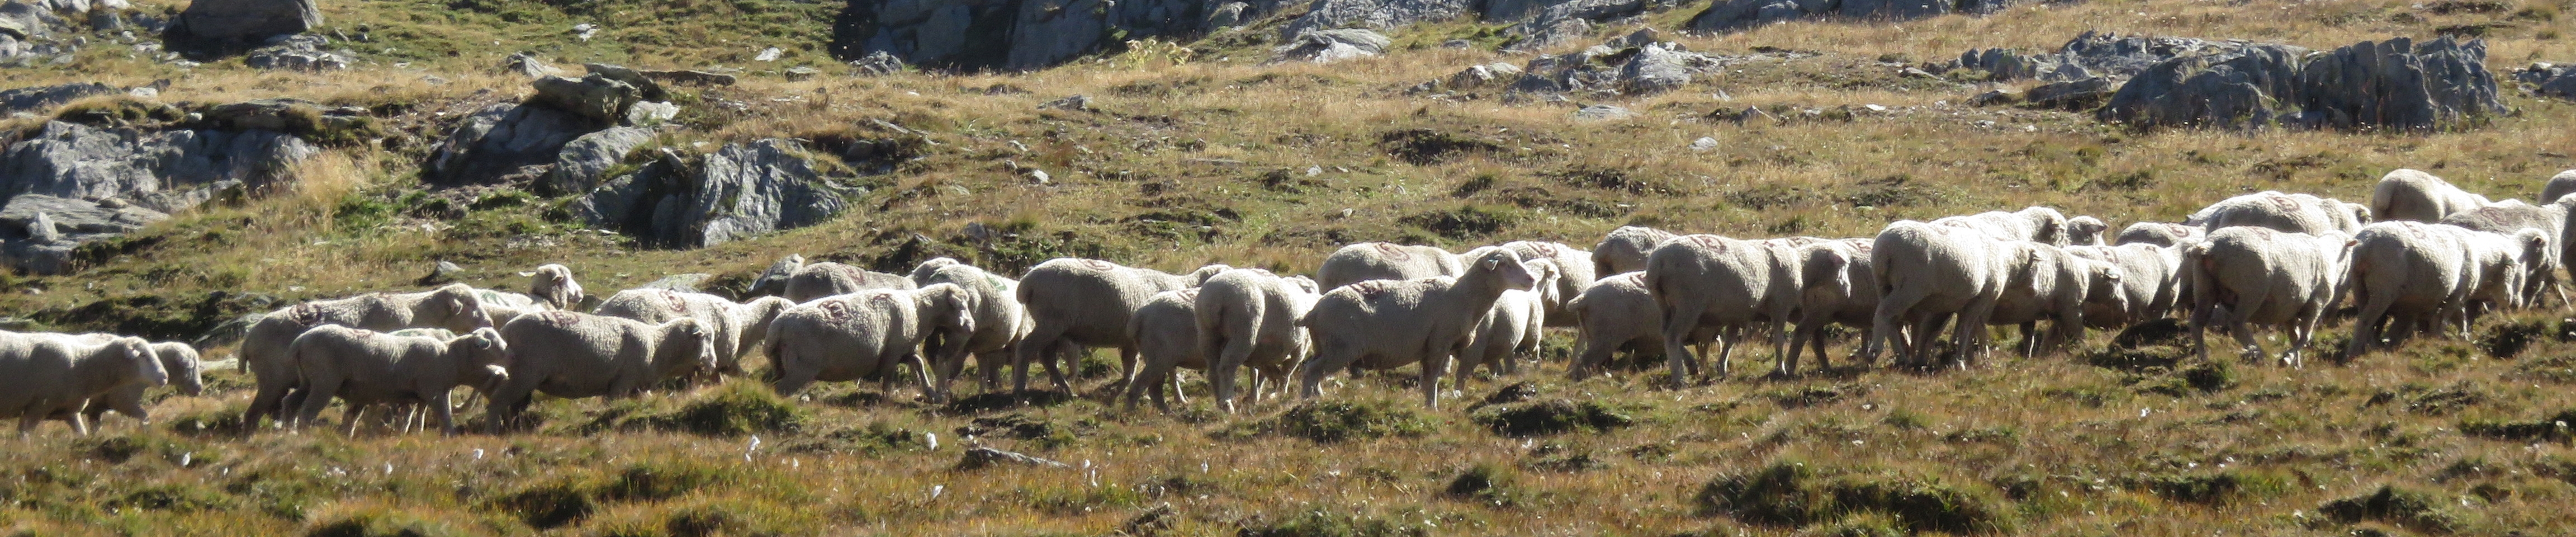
x=1219, y=159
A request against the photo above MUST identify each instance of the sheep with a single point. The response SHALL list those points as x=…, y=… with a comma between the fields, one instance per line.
x=367, y=367
x=1512, y=327
x=1000, y=322
x=55, y=375
x=1246, y=318
x=2509, y=216
x=2293, y=213
x=2150, y=282
x=1574, y=271
x=580, y=355
x=2048, y=283
x=2559, y=186
x=2159, y=234
x=736, y=328
x=2085, y=231
x=553, y=284
x=2409, y=194
x=2261, y=276
x=180, y=360
x=263, y=349
x=1708, y=281
x=1075, y=303
x=1837, y=287
x=1166, y=332
x=864, y=334
x=1929, y=274
x=502, y=306
x=1385, y=324
x=1624, y=250
x=1617, y=313
x=2419, y=274
x=818, y=280
x=2040, y=224
x=1384, y=261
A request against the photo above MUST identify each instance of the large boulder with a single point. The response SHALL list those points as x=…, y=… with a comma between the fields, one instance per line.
x=2400, y=84
x=1378, y=14
x=1327, y=46
x=2243, y=88
x=298, y=52
x=243, y=23
x=1019, y=34
x=578, y=167
x=737, y=192
x=2546, y=80
x=601, y=99
x=39, y=233
x=505, y=140
x=2102, y=55
x=74, y=160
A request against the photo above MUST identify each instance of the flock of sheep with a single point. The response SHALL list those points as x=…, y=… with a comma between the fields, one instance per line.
x=2438, y=257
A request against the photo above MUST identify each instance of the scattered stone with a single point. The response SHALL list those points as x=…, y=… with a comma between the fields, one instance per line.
x=768, y=55
x=1076, y=103
x=144, y=93
x=584, y=31
x=1039, y=177
x=1481, y=75
x=692, y=78
x=1327, y=46
x=39, y=233
x=982, y=457
x=1381, y=14
x=1739, y=15
x=528, y=65
x=1657, y=68
x=42, y=98
x=2549, y=80
x=802, y=73
x=1603, y=112
x=644, y=85
x=1995, y=98
x=2106, y=55
x=239, y=23
x=2070, y=95
x=298, y=52
x=1704, y=143
x=596, y=96
x=737, y=192
x=877, y=63
x=651, y=113
x=73, y=160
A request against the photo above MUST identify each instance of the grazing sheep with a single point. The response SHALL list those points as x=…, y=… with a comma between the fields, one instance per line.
x=2418, y=274
x=55, y=375
x=1574, y=271
x=2293, y=213
x=1625, y=249
x=921, y=273
x=2159, y=234
x=1166, y=332
x=1838, y=287
x=818, y=280
x=2259, y=276
x=2510, y=216
x=1617, y=313
x=1384, y=261
x=1929, y=275
x=2038, y=224
x=2150, y=282
x=263, y=349
x=553, y=284
x=502, y=306
x=1512, y=327
x=735, y=328
x=1000, y=323
x=180, y=360
x=1248, y=318
x=2559, y=186
x=2409, y=194
x=862, y=335
x=1386, y=324
x=580, y=355
x=2050, y=284
x=2085, y=231
x=366, y=367
x=1722, y=284
x=1077, y=303
x=773, y=281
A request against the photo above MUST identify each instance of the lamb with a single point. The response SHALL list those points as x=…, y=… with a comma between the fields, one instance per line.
x=2150, y=282
x=2085, y=231
x=735, y=328
x=2293, y=213
x=1837, y=287
x=1247, y=318
x=1722, y=284
x=2039, y=224
x=553, y=284
x=1512, y=327
x=2510, y=216
x=2259, y=276
x=1574, y=271
x=55, y=375
x=1385, y=324
x=1617, y=313
x=367, y=367
x=1929, y=274
x=1384, y=261
x=2409, y=194
x=818, y=280
x=1624, y=250
x=1076, y=303
x=580, y=355
x=864, y=334
x=2050, y=284
x=1000, y=322
x=2159, y=234
x=263, y=349
x=1166, y=332
x=2559, y=186
x=180, y=360
x=2418, y=274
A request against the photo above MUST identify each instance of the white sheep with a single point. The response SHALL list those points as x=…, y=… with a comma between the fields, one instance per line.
x=263, y=349
x=2159, y=234
x=1078, y=303
x=1000, y=323
x=1166, y=332
x=2559, y=186
x=180, y=360
x=2050, y=284
x=2085, y=231
x=737, y=329
x=1512, y=327
x=1838, y=288
x=55, y=375
x=2294, y=213
x=579, y=355
x=2510, y=216
x=2150, y=282
x=2039, y=224
x=1624, y=250
x=1617, y=313
x=502, y=306
x=2410, y=194
x=553, y=284
x=862, y=335
x=1574, y=271
x=1384, y=261
x=2262, y=277
x=1930, y=275
x=818, y=280
x=2419, y=275
x=1248, y=318
x=366, y=367
x=1722, y=284
x=1386, y=324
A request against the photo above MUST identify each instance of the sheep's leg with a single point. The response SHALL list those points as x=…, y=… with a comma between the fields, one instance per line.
x=1726, y=343
x=312, y=408
x=1432, y=366
x=1973, y=336
x=1149, y=379
x=1330, y=356
x=1592, y=354
x=1679, y=323
x=349, y=419
x=2365, y=329
x=446, y=413
x=2301, y=332
x=921, y=371
x=1039, y=345
x=1232, y=352
x=1892, y=306
x=266, y=402
x=1070, y=355
x=2240, y=323
x=2031, y=341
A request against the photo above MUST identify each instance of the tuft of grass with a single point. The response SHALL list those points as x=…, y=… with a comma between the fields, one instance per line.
x=2217, y=488
x=381, y=522
x=1331, y=421
x=2506, y=340
x=1485, y=483
x=661, y=480
x=736, y=408
x=2392, y=504
x=1549, y=417
x=1322, y=523
x=1794, y=494
x=548, y=506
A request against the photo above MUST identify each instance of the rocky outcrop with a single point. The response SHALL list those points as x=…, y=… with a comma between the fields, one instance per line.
x=530, y=141
x=2229, y=89
x=42, y=98
x=1017, y=34
x=1637, y=64
x=298, y=52
x=2172, y=82
x=236, y=24
x=1327, y=46
x=2442, y=83
x=1738, y=15
x=2546, y=80
x=73, y=160
x=596, y=97
x=39, y=233
x=578, y=167
x=737, y=192
x=2104, y=55
x=504, y=140
x=1380, y=14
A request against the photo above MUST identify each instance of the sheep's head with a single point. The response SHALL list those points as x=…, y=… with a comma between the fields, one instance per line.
x=460, y=306
x=185, y=369
x=1303, y=283
x=1506, y=268
x=686, y=339
x=2085, y=230
x=921, y=273
x=2047, y=225
x=147, y=364
x=946, y=309
x=1203, y=273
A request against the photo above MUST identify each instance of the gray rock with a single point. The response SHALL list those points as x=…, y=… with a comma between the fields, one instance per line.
x=982, y=457
x=740, y=191
x=24, y=21
x=1995, y=98
x=2072, y=94
x=1704, y=143
x=1379, y=14
x=1327, y=46
x=626, y=203
x=2546, y=80
x=528, y=65
x=79, y=161
x=801, y=73
x=691, y=77
x=441, y=273
x=579, y=166
x=1074, y=103
x=2442, y=83
x=644, y=85
x=39, y=99
x=2225, y=90
x=1021, y=34
x=877, y=63
x=246, y=22
x=1227, y=15
x=685, y=283
x=39, y=233
x=773, y=281
x=1657, y=68
x=1482, y=75
x=597, y=96
x=1603, y=112
x=299, y=52
x=504, y=140
x=651, y=113
x=2105, y=55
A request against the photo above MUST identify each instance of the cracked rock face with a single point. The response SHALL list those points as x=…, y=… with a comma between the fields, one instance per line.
x=739, y=191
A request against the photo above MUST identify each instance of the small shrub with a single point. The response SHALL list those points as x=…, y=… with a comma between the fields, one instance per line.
x=735, y=409
x=173, y=497
x=1794, y=494
x=2414, y=509
x=1336, y=421
x=1554, y=416
x=548, y=506
x=1318, y=523
x=2506, y=340
x=1466, y=222
x=1424, y=147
